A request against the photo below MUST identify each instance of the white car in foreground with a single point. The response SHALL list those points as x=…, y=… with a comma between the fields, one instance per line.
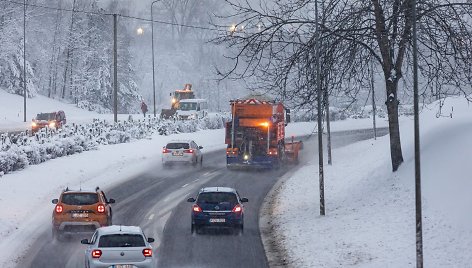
x=183, y=151
x=119, y=247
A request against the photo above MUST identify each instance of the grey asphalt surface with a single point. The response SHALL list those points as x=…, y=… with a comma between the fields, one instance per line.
x=156, y=201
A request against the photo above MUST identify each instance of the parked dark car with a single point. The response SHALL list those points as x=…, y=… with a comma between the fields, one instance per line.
x=218, y=207
x=52, y=120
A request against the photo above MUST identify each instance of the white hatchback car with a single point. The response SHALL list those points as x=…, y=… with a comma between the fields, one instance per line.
x=185, y=151
x=119, y=247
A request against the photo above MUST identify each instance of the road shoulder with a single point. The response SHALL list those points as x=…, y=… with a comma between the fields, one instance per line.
x=275, y=251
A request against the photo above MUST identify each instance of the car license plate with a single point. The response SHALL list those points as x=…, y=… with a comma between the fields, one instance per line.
x=80, y=215
x=177, y=154
x=123, y=266
x=217, y=220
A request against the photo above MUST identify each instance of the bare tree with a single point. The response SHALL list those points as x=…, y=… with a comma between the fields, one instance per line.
x=277, y=41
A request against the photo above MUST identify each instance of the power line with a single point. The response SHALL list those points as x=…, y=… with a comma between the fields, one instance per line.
x=111, y=14
x=173, y=24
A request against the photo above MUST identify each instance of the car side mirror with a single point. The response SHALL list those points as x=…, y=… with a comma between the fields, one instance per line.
x=55, y=201
x=244, y=200
x=200, y=147
x=150, y=240
x=111, y=201
x=84, y=241
x=191, y=199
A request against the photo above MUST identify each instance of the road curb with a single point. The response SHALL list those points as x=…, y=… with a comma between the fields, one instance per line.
x=275, y=251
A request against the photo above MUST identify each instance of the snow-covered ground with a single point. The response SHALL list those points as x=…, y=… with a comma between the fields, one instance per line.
x=370, y=211
x=25, y=194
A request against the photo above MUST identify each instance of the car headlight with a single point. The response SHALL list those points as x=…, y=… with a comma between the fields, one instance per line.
x=33, y=124
x=52, y=124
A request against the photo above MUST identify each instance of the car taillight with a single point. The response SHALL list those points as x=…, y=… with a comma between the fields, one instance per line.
x=96, y=253
x=59, y=208
x=165, y=151
x=188, y=151
x=237, y=208
x=147, y=252
x=196, y=208
x=101, y=208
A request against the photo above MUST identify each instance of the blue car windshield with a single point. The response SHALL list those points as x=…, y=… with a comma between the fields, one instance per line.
x=217, y=198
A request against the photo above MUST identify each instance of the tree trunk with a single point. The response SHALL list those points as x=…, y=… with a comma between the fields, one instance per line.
x=393, y=125
x=68, y=51
x=328, y=123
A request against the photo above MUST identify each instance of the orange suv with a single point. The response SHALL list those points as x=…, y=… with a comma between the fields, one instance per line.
x=80, y=211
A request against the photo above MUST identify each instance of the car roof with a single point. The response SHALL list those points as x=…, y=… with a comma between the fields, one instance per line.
x=180, y=141
x=218, y=189
x=193, y=100
x=92, y=191
x=119, y=229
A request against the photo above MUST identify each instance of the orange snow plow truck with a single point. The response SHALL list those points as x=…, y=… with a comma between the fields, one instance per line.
x=255, y=136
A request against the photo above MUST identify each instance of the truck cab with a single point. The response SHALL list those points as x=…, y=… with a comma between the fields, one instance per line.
x=192, y=109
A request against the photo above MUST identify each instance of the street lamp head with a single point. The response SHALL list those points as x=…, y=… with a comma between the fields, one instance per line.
x=233, y=28
x=140, y=31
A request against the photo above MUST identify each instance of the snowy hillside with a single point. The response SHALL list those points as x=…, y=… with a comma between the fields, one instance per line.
x=11, y=111
x=370, y=212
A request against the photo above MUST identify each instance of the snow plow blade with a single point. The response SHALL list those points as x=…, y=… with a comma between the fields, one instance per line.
x=167, y=113
x=291, y=151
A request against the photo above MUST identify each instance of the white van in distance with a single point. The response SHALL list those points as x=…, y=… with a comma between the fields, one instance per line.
x=192, y=109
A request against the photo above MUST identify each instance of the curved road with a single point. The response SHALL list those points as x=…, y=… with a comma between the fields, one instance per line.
x=156, y=201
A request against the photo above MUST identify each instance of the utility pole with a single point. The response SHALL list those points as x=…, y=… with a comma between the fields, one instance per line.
x=419, y=217
x=320, y=112
x=153, y=63
x=115, y=68
x=326, y=100
x=24, y=60
x=374, y=108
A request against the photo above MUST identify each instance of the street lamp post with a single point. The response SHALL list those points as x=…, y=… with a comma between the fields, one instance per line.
x=153, y=68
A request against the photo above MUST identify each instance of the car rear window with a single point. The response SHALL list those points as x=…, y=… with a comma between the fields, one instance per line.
x=178, y=145
x=121, y=240
x=79, y=198
x=217, y=198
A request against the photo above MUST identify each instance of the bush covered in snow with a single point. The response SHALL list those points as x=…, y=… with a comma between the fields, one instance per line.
x=20, y=150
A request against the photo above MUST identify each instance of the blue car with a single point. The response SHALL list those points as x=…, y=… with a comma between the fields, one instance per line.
x=218, y=207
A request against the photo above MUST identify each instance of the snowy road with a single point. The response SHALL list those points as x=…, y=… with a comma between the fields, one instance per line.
x=155, y=200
